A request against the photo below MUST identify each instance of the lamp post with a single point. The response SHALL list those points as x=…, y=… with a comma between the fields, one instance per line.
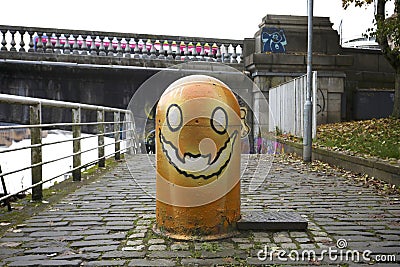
x=307, y=131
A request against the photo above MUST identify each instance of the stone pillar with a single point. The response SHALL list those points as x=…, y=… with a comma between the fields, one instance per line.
x=278, y=53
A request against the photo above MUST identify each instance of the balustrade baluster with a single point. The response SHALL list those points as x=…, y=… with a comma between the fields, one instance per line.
x=202, y=53
x=57, y=47
x=186, y=52
x=145, y=51
x=39, y=45
x=93, y=47
x=178, y=51
x=128, y=47
x=169, y=51
x=110, y=50
x=241, y=53
x=13, y=43
x=152, y=51
x=3, y=41
x=227, y=58
x=49, y=45
x=119, y=47
x=218, y=54
x=84, y=48
x=234, y=55
x=22, y=43
x=31, y=45
x=136, y=50
x=194, y=52
x=67, y=46
x=102, y=50
x=161, y=51
x=210, y=55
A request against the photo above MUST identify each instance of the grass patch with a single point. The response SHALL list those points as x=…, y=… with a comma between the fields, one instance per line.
x=377, y=137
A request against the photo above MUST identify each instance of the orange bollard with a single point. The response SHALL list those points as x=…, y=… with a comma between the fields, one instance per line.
x=197, y=160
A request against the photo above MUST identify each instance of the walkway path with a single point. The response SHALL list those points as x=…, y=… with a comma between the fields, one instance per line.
x=108, y=223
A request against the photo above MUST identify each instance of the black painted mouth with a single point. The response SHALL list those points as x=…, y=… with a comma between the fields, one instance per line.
x=208, y=168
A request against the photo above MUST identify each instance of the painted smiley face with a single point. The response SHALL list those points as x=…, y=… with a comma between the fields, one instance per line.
x=198, y=165
x=197, y=131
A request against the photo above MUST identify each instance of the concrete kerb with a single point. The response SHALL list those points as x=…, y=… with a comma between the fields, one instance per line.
x=373, y=167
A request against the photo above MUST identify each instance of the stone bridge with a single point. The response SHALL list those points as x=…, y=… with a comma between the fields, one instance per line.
x=106, y=68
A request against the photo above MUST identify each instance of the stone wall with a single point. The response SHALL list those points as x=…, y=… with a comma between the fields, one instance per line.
x=91, y=85
x=278, y=53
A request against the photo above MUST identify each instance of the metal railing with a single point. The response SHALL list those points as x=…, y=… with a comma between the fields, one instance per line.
x=121, y=130
x=286, y=103
x=119, y=45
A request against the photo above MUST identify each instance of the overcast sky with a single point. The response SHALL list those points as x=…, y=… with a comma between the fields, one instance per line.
x=213, y=18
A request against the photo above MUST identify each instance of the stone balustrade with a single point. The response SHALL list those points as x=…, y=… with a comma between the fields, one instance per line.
x=110, y=44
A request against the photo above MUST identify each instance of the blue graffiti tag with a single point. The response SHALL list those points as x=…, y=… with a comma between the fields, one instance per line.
x=274, y=40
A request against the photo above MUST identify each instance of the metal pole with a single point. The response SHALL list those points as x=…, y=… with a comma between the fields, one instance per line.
x=307, y=131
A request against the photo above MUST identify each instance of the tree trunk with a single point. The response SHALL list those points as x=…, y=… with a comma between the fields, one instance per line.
x=396, y=106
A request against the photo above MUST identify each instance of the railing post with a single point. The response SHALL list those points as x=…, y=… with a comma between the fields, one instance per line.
x=136, y=50
x=234, y=54
x=127, y=49
x=227, y=58
x=117, y=135
x=31, y=45
x=3, y=41
x=178, y=51
x=102, y=50
x=152, y=50
x=57, y=47
x=7, y=201
x=210, y=53
x=202, y=53
x=49, y=45
x=84, y=47
x=186, y=53
x=169, y=51
x=76, y=133
x=39, y=45
x=13, y=43
x=36, y=152
x=93, y=48
x=67, y=46
x=194, y=51
x=75, y=46
x=100, y=130
x=218, y=54
x=161, y=53
x=129, y=146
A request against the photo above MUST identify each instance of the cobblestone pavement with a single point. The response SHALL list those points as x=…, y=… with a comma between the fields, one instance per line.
x=109, y=222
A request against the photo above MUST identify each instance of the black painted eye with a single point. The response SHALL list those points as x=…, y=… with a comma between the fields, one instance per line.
x=219, y=120
x=174, y=117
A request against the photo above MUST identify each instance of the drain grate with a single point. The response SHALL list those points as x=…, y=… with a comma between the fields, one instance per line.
x=271, y=220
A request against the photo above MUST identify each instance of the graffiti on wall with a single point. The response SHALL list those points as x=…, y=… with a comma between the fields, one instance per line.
x=270, y=147
x=273, y=40
x=321, y=105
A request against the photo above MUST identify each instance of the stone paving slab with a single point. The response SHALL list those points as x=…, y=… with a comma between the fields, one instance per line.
x=109, y=222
